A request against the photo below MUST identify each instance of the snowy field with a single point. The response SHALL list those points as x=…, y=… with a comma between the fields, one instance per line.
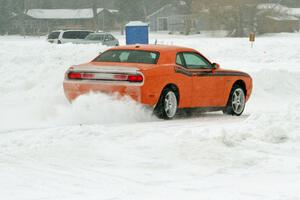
x=103, y=148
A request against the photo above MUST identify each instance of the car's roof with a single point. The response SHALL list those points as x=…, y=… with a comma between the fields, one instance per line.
x=153, y=47
x=71, y=30
x=99, y=33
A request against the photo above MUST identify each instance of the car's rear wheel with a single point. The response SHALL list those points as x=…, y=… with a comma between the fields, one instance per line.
x=237, y=102
x=167, y=106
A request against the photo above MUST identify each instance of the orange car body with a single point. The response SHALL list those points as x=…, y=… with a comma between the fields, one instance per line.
x=204, y=88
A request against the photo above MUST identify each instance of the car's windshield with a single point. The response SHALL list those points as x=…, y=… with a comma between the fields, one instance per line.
x=128, y=56
x=53, y=35
x=99, y=37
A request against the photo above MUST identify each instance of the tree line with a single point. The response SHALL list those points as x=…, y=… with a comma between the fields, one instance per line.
x=131, y=9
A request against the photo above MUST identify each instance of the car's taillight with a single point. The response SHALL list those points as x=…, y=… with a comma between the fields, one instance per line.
x=120, y=77
x=75, y=75
x=135, y=78
x=88, y=76
x=79, y=75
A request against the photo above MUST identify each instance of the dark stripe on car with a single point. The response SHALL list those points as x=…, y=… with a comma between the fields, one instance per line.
x=183, y=71
x=209, y=73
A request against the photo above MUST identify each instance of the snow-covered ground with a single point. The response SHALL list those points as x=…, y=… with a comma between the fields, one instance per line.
x=103, y=148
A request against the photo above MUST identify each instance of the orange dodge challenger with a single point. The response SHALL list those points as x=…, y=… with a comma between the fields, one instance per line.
x=164, y=77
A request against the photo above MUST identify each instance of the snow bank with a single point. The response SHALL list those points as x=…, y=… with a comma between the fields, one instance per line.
x=33, y=70
x=102, y=148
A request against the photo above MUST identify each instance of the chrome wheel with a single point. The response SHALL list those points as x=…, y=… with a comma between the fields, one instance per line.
x=167, y=105
x=170, y=104
x=238, y=101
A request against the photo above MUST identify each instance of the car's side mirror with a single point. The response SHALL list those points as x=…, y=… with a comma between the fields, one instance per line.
x=216, y=66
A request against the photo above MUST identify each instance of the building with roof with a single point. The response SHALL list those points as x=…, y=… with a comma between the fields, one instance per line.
x=261, y=18
x=294, y=12
x=276, y=18
x=278, y=24
x=40, y=21
x=177, y=17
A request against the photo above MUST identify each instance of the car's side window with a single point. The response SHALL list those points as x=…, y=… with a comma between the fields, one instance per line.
x=82, y=34
x=195, y=61
x=69, y=35
x=106, y=38
x=179, y=59
x=76, y=35
x=99, y=37
x=54, y=35
x=110, y=37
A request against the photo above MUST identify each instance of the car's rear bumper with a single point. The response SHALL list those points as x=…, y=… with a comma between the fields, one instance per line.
x=73, y=89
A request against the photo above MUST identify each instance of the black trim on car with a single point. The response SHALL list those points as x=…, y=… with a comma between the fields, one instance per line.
x=198, y=110
x=184, y=71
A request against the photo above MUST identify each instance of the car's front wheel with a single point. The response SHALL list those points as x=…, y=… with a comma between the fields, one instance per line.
x=167, y=105
x=237, y=102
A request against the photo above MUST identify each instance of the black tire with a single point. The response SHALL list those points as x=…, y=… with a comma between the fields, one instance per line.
x=161, y=109
x=232, y=107
x=58, y=42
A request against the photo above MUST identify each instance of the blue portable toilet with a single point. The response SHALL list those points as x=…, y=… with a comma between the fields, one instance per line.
x=137, y=32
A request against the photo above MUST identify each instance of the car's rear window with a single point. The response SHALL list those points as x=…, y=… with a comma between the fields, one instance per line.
x=53, y=35
x=128, y=56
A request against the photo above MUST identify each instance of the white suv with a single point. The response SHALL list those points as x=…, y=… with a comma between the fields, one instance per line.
x=65, y=36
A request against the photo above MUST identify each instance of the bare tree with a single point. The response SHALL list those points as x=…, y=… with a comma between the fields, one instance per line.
x=94, y=7
x=238, y=16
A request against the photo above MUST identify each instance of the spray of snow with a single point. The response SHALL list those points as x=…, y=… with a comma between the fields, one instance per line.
x=31, y=92
x=101, y=109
